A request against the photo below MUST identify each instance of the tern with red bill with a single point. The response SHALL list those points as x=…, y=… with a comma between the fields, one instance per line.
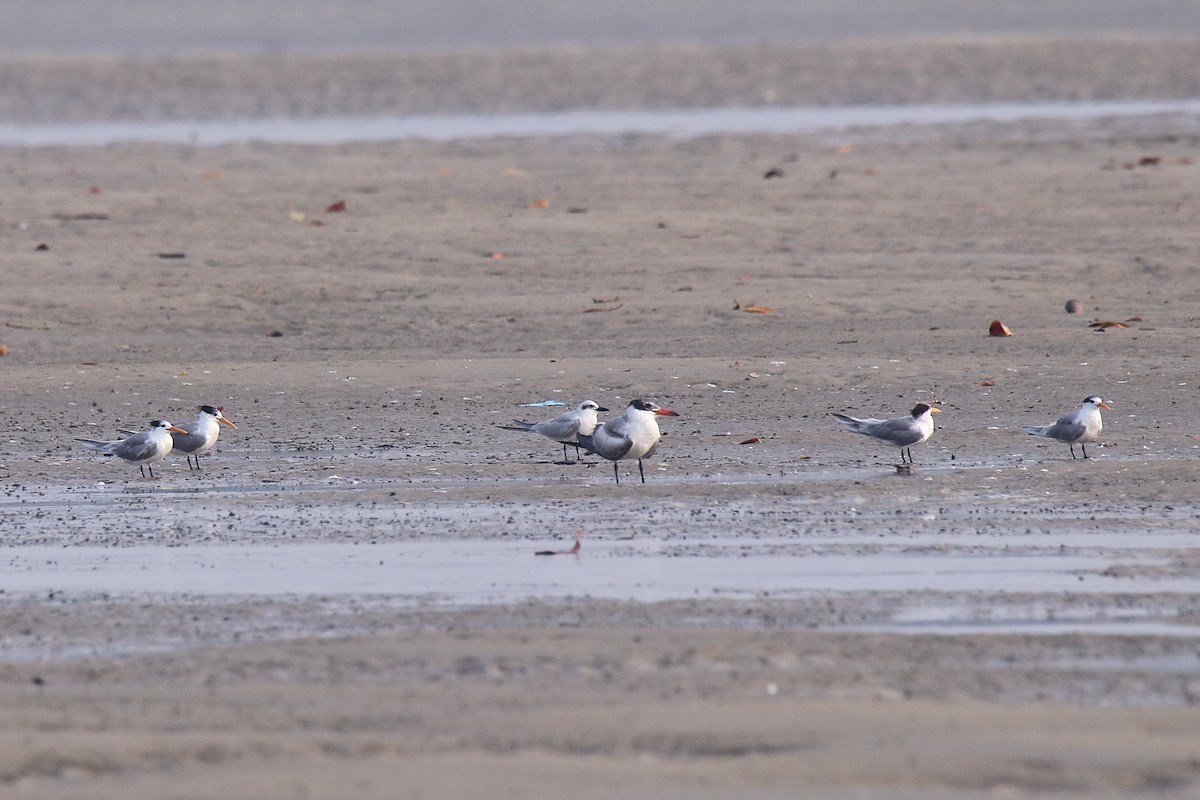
x=1077, y=427
x=633, y=435
x=903, y=432
x=144, y=449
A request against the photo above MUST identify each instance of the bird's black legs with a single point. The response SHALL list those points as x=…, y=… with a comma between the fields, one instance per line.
x=189, y=462
x=1073, y=451
x=1083, y=447
x=142, y=470
x=909, y=449
x=617, y=473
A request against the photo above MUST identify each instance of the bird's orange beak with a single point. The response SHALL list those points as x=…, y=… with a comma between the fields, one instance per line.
x=666, y=412
x=1103, y=404
x=226, y=422
x=176, y=429
x=933, y=410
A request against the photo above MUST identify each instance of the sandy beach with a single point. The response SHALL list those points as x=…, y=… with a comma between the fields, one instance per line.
x=999, y=621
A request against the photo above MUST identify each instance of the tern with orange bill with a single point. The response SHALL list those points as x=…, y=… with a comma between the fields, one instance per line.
x=199, y=436
x=903, y=432
x=1077, y=427
x=145, y=448
x=633, y=435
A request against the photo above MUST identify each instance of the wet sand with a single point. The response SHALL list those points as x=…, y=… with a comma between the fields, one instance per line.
x=369, y=356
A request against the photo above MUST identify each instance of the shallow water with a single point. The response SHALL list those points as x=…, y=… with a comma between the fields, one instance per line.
x=681, y=123
x=472, y=572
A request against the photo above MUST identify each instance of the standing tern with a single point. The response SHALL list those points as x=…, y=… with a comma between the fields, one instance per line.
x=566, y=428
x=634, y=434
x=199, y=436
x=1077, y=427
x=903, y=432
x=144, y=449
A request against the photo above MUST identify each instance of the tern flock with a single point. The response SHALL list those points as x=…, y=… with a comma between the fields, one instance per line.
x=632, y=436
x=147, y=448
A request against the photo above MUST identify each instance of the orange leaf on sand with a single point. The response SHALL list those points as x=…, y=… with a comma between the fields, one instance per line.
x=3, y=349
x=758, y=309
x=986, y=383
x=1100, y=326
x=998, y=328
x=751, y=440
x=540, y=203
x=496, y=256
x=340, y=205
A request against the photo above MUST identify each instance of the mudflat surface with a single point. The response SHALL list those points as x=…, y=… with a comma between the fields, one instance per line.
x=999, y=620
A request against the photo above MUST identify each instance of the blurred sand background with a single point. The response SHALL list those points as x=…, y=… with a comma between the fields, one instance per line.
x=368, y=355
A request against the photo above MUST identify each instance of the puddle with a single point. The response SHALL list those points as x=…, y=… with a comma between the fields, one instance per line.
x=681, y=123
x=474, y=572
x=1113, y=628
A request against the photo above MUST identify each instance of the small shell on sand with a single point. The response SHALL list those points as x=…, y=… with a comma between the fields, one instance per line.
x=1073, y=307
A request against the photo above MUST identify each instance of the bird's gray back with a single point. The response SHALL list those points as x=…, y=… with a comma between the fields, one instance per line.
x=188, y=442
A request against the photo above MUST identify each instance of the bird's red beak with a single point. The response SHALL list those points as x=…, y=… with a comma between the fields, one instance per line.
x=666, y=412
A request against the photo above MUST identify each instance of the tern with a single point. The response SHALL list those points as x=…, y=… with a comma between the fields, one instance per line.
x=634, y=434
x=144, y=449
x=199, y=436
x=903, y=432
x=1077, y=427
x=566, y=428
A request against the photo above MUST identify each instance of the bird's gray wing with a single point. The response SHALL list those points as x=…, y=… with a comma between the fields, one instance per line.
x=135, y=448
x=612, y=439
x=863, y=426
x=187, y=442
x=900, y=431
x=562, y=428
x=1067, y=429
